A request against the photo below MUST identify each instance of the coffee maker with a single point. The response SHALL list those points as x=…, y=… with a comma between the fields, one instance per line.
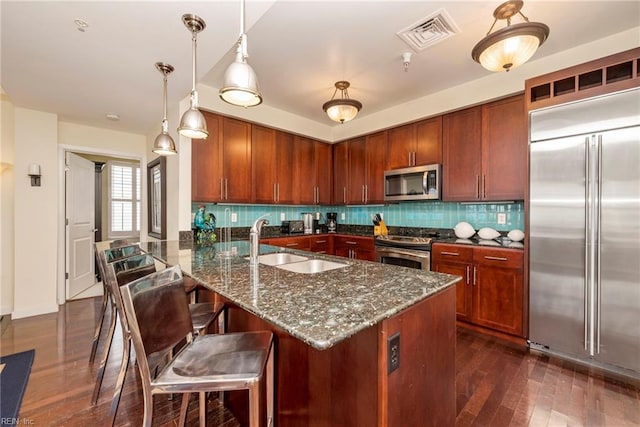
x=332, y=221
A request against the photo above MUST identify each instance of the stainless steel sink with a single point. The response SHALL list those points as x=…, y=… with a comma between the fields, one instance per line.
x=312, y=266
x=280, y=258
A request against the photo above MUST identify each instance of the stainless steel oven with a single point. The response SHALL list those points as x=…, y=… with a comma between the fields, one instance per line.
x=406, y=251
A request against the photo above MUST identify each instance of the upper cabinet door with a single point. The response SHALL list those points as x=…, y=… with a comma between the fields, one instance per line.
x=323, y=172
x=376, y=163
x=504, y=149
x=263, y=164
x=285, y=160
x=357, y=171
x=428, y=149
x=206, y=167
x=401, y=146
x=340, y=172
x=304, y=172
x=237, y=160
x=462, y=155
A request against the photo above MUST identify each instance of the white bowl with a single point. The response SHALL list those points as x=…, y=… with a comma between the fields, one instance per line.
x=515, y=235
x=464, y=230
x=488, y=233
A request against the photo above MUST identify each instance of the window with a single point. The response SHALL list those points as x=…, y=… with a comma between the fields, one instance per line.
x=124, y=199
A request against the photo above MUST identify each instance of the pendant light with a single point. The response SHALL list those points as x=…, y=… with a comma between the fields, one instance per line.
x=164, y=144
x=341, y=109
x=513, y=45
x=240, y=82
x=193, y=125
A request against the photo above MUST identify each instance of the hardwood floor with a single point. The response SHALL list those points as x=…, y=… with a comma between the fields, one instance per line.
x=497, y=384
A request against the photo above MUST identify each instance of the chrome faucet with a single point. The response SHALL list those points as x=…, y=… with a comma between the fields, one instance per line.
x=254, y=238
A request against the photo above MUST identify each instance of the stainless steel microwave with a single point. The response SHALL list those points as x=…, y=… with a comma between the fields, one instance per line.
x=416, y=183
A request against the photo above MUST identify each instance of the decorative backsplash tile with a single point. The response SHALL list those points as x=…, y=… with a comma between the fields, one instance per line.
x=406, y=214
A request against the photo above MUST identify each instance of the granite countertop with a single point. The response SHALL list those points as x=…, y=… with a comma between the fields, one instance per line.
x=319, y=309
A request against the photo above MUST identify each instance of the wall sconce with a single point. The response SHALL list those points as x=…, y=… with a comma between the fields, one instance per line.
x=34, y=173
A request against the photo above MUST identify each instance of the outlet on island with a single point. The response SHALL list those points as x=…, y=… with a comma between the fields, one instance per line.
x=393, y=352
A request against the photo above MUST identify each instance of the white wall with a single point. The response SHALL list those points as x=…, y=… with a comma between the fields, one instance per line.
x=35, y=247
x=6, y=203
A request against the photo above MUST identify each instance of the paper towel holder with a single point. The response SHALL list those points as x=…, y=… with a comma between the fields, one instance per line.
x=34, y=173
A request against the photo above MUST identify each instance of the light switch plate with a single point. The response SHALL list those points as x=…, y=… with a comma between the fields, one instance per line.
x=282, y=216
x=234, y=217
x=502, y=218
x=342, y=217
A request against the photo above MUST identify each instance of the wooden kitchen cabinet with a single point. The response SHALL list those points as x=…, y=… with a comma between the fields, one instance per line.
x=462, y=154
x=354, y=247
x=340, y=172
x=304, y=172
x=294, y=242
x=456, y=260
x=236, y=161
x=491, y=293
x=484, y=152
x=263, y=165
x=206, y=167
x=504, y=149
x=415, y=144
x=323, y=167
x=322, y=244
x=366, y=165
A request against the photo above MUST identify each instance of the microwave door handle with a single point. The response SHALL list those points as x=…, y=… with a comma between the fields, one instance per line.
x=424, y=182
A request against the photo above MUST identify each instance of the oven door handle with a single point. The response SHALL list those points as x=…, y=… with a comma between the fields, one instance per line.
x=399, y=253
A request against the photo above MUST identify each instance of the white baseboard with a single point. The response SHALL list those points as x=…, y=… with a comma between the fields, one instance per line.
x=5, y=310
x=34, y=311
x=94, y=291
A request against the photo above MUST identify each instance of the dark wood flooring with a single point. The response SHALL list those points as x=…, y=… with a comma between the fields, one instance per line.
x=497, y=383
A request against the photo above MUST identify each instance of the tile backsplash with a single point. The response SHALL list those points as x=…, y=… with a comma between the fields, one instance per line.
x=406, y=214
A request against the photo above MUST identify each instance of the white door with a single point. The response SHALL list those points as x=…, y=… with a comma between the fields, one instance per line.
x=80, y=214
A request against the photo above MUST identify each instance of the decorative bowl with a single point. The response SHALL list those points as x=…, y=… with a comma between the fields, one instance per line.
x=464, y=230
x=515, y=235
x=488, y=233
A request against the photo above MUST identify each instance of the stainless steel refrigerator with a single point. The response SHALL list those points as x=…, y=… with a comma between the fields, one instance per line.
x=584, y=231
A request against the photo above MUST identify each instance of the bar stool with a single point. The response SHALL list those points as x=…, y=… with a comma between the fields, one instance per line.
x=119, y=273
x=207, y=363
x=124, y=249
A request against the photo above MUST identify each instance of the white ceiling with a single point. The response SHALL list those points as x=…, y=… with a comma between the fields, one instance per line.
x=298, y=49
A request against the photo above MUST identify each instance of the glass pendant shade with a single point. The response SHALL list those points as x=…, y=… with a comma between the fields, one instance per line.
x=240, y=84
x=342, y=109
x=511, y=46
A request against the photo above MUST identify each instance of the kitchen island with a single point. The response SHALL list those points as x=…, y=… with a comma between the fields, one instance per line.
x=337, y=333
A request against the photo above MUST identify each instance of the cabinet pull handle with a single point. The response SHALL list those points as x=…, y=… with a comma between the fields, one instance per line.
x=344, y=195
x=495, y=258
x=484, y=186
x=362, y=194
x=320, y=241
x=410, y=158
x=450, y=253
x=366, y=193
x=468, y=273
x=349, y=242
x=226, y=189
x=275, y=193
x=477, y=186
x=221, y=188
x=474, y=275
x=278, y=192
x=292, y=244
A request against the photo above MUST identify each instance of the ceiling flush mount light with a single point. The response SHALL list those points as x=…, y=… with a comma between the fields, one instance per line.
x=341, y=109
x=164, y=144
x=193, y=125
x=240, y=82
x=513, y=45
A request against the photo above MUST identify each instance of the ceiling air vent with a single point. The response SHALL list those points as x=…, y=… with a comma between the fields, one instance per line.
x=429, y=31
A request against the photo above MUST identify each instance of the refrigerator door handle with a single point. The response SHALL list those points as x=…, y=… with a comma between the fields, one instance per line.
x=587, y=232
x=598, y=243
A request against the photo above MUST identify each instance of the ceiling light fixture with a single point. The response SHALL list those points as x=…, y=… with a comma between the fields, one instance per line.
x=341, y=109
x=513, y=45
x=164, y=144
x=193, y=124
x=240, y=82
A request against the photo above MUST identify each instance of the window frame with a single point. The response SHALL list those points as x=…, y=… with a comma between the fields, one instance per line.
x=136, y=200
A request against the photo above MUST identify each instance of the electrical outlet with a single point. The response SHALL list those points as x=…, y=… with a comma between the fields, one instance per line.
x=234, y=217
x=342, y=216
x=502, y=218
x=282, y=216
x=393, y=352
